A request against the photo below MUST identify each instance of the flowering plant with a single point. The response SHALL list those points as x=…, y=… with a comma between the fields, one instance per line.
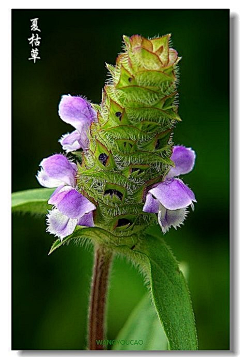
x=118, y=175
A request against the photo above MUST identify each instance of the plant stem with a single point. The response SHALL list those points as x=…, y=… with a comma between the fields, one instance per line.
x=99, y=289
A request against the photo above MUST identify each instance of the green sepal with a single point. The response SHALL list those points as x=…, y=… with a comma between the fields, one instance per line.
x=118, y=188
x=100, y=121
x=160, y=141
x=138, y=168
x=153, y=78
x=126, y=146
x=160, y=46
x=152, y=114
x=136, y=41
x=123, y=60
x=116, y=115
x=96, y=107
x=125, y=78
x=124, y=224
x=111, y=69
x=168, y=102
x=112, y=93
x=101, y=149
x=103, y=176
x=138, y=158
x=143, y=58
x=78, y=155
x=135, y=95
x=124, y=132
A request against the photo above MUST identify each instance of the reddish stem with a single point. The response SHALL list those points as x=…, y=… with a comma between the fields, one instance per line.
x=99, y=289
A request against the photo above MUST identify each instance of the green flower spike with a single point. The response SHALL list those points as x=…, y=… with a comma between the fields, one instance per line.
x=130, y=143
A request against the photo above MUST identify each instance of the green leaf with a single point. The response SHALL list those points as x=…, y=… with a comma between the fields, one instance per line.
x=55, y=245
x=168, y=287
x=143, y=330
x=32, y=201
x=96, y=235
x=170, y=294
x=78, y=233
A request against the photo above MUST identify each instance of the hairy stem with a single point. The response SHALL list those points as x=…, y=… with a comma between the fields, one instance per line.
x=99, y=289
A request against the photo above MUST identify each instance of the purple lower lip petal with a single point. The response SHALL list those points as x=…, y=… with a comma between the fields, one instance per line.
x=169, y=218
x=173, y=194
x=184, y=160
x=71, y=209
x=59, y=224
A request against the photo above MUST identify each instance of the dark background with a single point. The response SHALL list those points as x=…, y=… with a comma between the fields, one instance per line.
x=50, y=293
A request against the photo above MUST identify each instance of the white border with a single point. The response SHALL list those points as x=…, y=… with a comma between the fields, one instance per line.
x=5, y=177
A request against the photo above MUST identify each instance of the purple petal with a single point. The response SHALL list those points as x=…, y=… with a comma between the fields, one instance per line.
x=75, y=140
x=168, y=218
x=47, y=181
x=184, y=160
x=57, y=170
x=173, y=194
x=58, y=194
x=151, y=204
x=59, y=224
x=76, y=111
x=71, y=142
x=86, y=220
x=73, y=204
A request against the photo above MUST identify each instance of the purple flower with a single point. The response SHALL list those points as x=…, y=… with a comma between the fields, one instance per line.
x=71, y=207
x=171, y=197
x=57, y=170
x=78, y=112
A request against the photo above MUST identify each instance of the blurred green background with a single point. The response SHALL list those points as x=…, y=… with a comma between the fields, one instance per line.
x=50, y=293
